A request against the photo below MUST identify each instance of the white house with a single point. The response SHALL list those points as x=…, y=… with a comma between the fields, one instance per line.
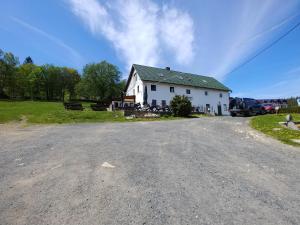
x=156, y=86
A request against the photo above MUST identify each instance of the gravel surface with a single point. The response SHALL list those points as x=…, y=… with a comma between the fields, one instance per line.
x=195, y=171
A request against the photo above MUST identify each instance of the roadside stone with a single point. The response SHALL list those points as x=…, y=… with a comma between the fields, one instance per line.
x=130, y=117
x=296, y=140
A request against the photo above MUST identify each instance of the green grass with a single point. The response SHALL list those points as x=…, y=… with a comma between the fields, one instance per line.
x=54, y=112
x=267, y=123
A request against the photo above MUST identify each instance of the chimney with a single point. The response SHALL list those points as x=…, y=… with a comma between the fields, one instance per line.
x=168, y=68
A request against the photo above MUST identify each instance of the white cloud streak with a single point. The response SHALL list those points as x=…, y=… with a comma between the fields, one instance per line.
x=140, y=31
x=50, y=37
x=240, y=29
x=285, y=88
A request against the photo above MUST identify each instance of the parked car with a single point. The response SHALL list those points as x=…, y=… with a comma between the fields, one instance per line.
x=245, y=107
x=268, y=107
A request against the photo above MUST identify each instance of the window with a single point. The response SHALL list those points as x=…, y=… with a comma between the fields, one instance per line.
x=135, y=76
x=207, y=108
x=153, y=87
x=225, y=107
x=163, y=103
x=172, y=89
x=138, y=89
x=188, y=91
x=153, y=102
x=206, y=92
x=221, y=95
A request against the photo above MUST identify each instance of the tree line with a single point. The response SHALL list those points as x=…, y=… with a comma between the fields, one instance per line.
x=99, y=81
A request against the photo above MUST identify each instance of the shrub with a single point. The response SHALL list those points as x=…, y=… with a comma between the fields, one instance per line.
x=290, y=110
x=181, y=106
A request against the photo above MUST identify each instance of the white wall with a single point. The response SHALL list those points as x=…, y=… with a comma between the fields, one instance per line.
x=198, y=97
x=133, y=88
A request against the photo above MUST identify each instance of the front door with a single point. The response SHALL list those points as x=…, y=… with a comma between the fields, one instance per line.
x=219, y=110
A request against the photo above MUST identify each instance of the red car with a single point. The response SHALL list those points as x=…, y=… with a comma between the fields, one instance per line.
x=268, y=108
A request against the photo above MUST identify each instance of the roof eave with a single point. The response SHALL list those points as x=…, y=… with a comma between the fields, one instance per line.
x=129, y=78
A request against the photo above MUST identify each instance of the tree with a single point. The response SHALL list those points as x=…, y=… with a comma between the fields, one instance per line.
x=59, y=82
x=52, y=76
x=292, y=102
x=8, y=67
x=2, y=74
x=36, y=83
x=120, y=88
x=22, y=79
x=181, y=106
x=28, y=60
x=70, y=78
x=99, y=81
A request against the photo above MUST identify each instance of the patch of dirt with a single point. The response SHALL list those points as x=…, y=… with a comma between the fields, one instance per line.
x=20, y=130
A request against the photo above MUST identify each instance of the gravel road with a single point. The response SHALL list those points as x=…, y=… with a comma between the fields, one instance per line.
x=195, y=171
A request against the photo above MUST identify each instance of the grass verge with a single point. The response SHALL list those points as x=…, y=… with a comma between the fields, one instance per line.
x=269, y=125
x=54, y=112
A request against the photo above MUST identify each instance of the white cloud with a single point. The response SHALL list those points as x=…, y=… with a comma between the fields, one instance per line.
x=177, y=31
x=71, y=51
x=141, y=31
x=214, y=41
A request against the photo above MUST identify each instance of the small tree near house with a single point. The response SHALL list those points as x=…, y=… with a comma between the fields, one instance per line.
x=181, y=106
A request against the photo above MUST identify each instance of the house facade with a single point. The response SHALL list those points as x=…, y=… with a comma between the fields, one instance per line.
x=156, y=86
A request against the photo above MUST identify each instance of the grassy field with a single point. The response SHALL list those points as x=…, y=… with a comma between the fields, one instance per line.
x=54, y=112
x=268, y=124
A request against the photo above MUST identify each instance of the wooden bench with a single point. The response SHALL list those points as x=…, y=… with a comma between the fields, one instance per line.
x=73, y=106
x=98, y=107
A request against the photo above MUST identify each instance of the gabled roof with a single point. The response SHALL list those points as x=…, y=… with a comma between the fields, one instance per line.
x=153, y=74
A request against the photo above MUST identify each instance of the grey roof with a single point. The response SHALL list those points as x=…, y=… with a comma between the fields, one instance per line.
x=153, y=74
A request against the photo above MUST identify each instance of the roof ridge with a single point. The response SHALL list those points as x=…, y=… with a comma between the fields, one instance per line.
x=174, y=70
x=151, y=73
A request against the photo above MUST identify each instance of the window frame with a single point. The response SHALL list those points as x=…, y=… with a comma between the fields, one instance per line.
x=135, y=77
x=153, y=87
x=154, y=100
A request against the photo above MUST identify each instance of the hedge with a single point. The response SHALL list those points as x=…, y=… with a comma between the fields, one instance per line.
x=290, y=110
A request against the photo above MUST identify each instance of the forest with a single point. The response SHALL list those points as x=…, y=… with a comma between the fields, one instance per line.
x=98, y=81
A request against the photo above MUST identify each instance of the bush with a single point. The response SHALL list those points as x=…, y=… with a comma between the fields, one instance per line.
x=289, y=110
x=181, y=106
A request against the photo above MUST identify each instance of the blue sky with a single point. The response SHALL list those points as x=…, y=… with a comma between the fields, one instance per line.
x=208, y=37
